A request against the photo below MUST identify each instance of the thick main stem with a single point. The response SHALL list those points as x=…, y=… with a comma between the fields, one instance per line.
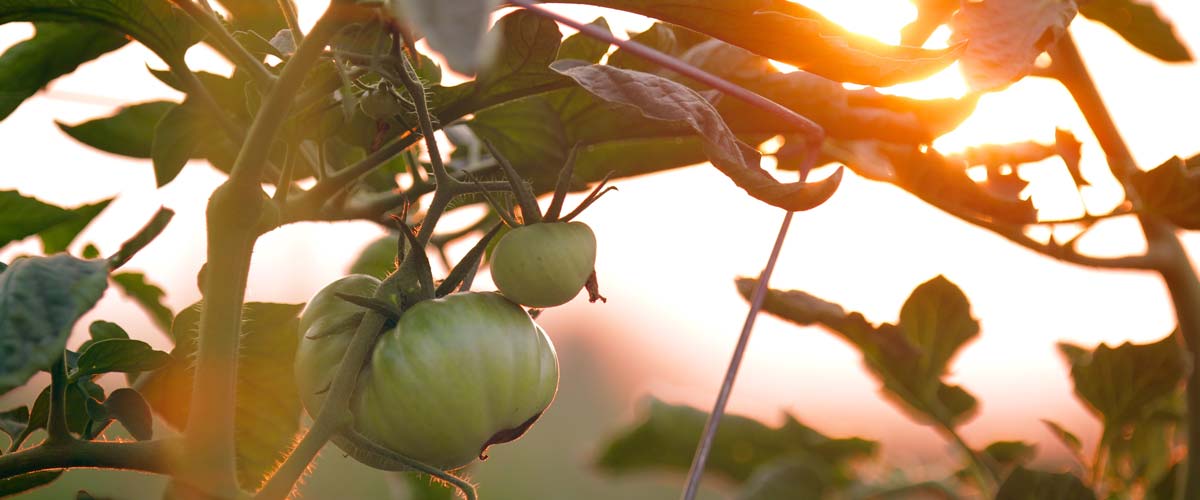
x=233, y=215
x=1161, y=239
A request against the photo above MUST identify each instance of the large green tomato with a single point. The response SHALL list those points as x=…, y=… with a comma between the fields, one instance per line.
x=454, y=376
x=544, y=265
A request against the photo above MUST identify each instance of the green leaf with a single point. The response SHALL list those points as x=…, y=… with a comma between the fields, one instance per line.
x=1141, y=25
x=176, y=137
x=1066, y=437
x=103, y=330
x=260, y=16
x=1002, y=456
x=148, y=295
x=666, y=437
x=128, y=132
x=1027, y=484
x=78, y=395
x=455, y=29
x=119, y=355
x=267, y=417
x=129, y=408
x=788, y=478
x=658, y=98
x=585, y=48
x=55, y=49
x=812, y=41
x=22, y=216
x=1172, y=190
x=25, y=482
x=13, y=421
x=41, y=298
x=910, y=358
x=1006, y=37
x=377, y=259
x=58, y=237
x=1122, y=385
x=157, y=24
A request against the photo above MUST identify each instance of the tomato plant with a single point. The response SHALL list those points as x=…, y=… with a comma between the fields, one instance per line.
x=411, y=371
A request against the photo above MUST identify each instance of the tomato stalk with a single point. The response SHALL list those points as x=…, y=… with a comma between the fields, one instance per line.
x=224, y=42
x=1164, y=249
x=56, y=427
x=233, y=214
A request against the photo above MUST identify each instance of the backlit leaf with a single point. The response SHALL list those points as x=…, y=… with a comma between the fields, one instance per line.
x=1005, y=37
x=128, y=132
x=146, y=294
x=1028, y=484
x=157, y=24
x=1139, y=22
x=55, y=49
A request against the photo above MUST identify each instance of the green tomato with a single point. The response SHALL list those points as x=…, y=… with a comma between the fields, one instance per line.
x=544, y=265
x=454, y=376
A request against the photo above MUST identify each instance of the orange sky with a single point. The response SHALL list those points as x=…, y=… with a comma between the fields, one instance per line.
x=671, y=244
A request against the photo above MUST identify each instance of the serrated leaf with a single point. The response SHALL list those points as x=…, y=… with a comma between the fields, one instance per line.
x=119, y=355
x=665, y=439
x=41, y=298
x=128, y=132
x=1122, y=385
x=148, y=295
x=13, y=421
x=1005, y=37
x=813, y=42
x=157, y=24
x=458, y=30
x=58, y=237
x=1172, y=190
x=1027, y=484
x=55, y=49
x=910, y=358
x=1140, y=24
x=26, y=482
x=129, y=408
x=267, y=417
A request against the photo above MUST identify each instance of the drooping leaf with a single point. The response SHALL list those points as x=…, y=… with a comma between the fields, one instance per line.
x=658, y=98
x=119, y=355
x=147, y=295
x=41, y=298
x=260, y=16
x=458, y=30
x=1172, y=190
x=129, y=132
x=813, y=43
x=176, y=138
x=1006, y=36
x=157, y=24
x=1029, y=484
x=1121, y=385
x=909, y=359
x=129, y=408
x=1139, y=22
x=30, y=481
x=666, y=438
x=267, y=417
x=55, y=49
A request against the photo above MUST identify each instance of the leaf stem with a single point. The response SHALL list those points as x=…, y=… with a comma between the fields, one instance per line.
x=226, y=45
x=156, y=456
x=1171, y=259
x=56, y=427
x=735, y=362
x=358, y=439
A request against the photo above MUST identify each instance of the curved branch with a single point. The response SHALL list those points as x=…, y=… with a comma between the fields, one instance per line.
x=157, y=456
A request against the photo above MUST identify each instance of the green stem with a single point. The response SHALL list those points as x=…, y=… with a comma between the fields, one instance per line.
x=1161, y=239
x=372, y=447
x=226, y=45
x=445, y=182
x=288, y=9
x=56, y=427
x=335, y=411
x=979, y=469
x=233, y=213
x=155, y=456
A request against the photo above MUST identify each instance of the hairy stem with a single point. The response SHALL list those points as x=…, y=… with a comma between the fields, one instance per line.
x=233, y=214
x=1161, y=238
x=157, y=456
x=335, y=412
x=56, y=427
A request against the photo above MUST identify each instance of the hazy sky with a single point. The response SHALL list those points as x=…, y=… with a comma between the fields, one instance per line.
x=671, y=244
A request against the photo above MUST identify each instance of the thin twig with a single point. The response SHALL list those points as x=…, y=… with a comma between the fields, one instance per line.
x=735, y=362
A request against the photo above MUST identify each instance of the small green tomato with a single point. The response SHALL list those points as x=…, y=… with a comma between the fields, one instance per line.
x=454, y=376
x=544, y=265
